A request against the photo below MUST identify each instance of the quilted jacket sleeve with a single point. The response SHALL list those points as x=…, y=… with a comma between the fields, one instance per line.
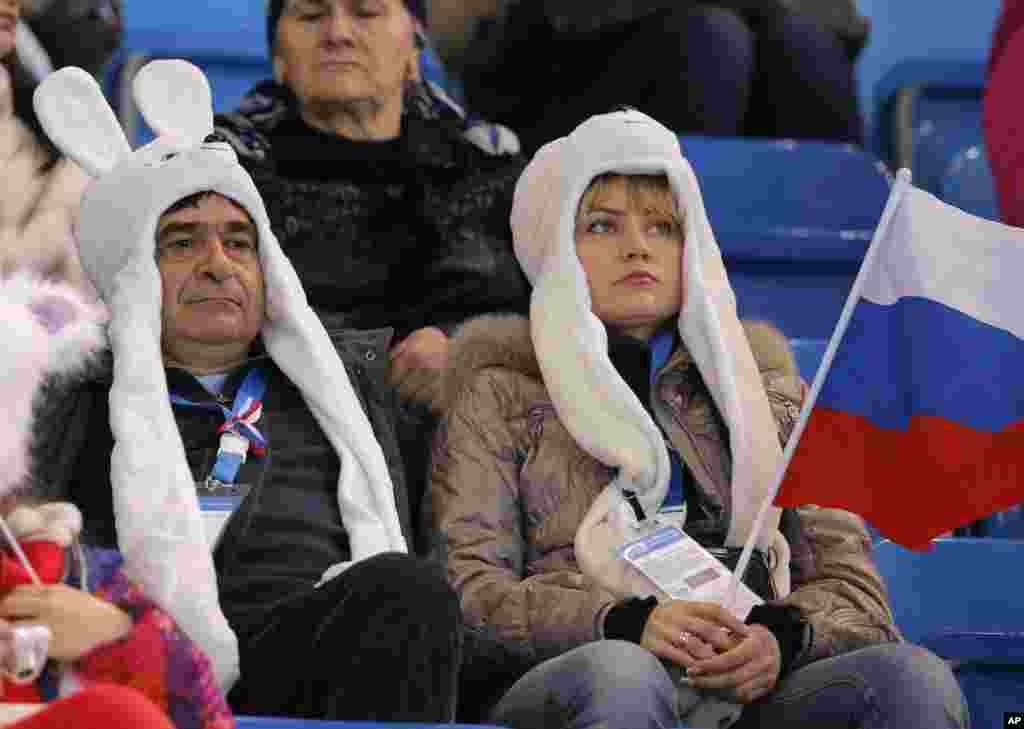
x=475, y=492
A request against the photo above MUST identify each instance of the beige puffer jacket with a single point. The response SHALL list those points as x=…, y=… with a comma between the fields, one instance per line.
x=37, y=202
x=509, y=487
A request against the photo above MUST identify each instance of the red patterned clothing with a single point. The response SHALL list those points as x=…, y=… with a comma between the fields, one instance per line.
x=156, y=658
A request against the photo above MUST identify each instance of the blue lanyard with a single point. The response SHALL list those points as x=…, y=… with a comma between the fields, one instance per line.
x=239, y=435
x=661, y=350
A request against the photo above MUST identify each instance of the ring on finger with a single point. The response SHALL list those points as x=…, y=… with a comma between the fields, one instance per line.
x=684, y=637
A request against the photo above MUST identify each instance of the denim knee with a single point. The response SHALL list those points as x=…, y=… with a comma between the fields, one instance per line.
x=618, y=665
x=877, y=687
x=608, y=683
x=916, y=671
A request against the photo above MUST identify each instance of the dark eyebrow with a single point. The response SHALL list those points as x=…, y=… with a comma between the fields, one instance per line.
x=239, y=226
x=175, y=228
x=234, y=227
x=308, y=4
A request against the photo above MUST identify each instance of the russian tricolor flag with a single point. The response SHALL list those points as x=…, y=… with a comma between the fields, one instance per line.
x=918, y=424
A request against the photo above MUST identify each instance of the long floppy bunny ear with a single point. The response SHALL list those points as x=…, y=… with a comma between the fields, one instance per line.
x=175, y=100
x=77, y=118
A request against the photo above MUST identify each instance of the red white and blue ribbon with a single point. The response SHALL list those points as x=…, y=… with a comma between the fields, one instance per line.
x=239, y=435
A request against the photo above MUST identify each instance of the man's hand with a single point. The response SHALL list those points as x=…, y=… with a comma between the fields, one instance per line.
x=416, y=366
x=78, y=621
x=746, y=672
x=687, y=632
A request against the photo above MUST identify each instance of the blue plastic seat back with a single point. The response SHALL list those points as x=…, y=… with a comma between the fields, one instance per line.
x=968, y=182
x=793, y=221
x=962, y=600
x=942, y=120
x=1007, y=524
x=960, y=585
x=945, y=122
x=919, y=29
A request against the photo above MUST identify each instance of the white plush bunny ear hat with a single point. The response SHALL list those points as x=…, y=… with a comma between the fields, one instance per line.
x=159, y=529
x=593, y=401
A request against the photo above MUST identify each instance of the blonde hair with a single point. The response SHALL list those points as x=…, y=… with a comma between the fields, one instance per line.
x=644, y=193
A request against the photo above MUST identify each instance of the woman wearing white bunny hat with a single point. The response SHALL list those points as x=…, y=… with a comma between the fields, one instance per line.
x=312, y=559
x=634, y=403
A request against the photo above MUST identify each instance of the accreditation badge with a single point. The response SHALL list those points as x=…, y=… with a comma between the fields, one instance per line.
x=217, y=502
x=682, y=569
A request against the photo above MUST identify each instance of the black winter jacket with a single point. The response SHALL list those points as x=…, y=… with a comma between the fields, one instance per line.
x=288, y=529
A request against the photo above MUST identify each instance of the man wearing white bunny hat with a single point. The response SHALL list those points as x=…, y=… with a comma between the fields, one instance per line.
x=224, y=382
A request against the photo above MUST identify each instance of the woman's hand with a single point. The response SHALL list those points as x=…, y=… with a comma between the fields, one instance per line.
x=746, y=672
x=687, y=632
x=78, y=621
x=417, y=363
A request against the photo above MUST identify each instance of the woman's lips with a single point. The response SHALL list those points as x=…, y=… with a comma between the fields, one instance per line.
x=639, y=278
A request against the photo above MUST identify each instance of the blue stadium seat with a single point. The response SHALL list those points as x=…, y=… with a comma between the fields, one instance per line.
x=961, y=600
x=931, y=123
x=1008, y=524
x=912, y=29
x=968, y=183
x=793, y=221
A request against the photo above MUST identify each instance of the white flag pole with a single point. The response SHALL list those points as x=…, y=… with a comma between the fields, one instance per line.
x=899, y=188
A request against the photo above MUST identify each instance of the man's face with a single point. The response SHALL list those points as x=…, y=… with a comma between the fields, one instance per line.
x=212, y=281
x=339, y=51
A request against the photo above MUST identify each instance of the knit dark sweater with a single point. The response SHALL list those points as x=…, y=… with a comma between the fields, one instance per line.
x=405, y=233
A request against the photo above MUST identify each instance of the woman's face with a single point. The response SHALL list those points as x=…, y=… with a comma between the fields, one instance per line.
x=9, y=12
x=629, y=240
x=333, y=52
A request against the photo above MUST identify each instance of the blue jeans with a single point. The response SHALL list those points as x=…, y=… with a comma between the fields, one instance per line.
x=612, y=684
